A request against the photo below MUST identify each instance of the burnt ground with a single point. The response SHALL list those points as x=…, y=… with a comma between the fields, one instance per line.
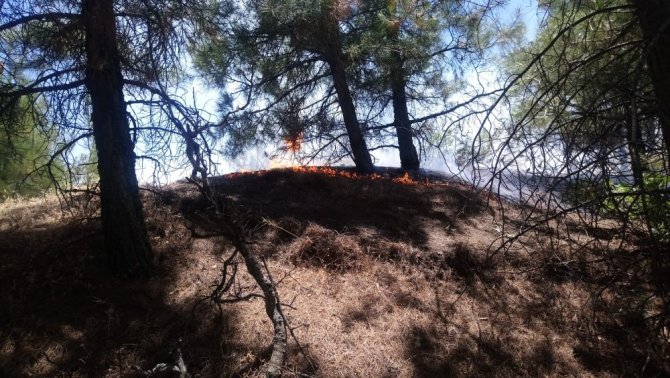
x=381, y=277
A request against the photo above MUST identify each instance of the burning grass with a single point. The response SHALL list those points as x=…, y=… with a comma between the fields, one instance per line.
x=392, y=174
x=384, y=277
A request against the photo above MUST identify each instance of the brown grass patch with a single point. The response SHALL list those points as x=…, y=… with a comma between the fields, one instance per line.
x=30, y=212
x=383, y=280
x=321, y=247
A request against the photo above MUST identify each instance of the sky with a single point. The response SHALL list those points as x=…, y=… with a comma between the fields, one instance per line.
x=257, y=158
x=529, y=15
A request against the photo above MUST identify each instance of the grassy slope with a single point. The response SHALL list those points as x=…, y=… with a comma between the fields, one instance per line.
x=383, y=279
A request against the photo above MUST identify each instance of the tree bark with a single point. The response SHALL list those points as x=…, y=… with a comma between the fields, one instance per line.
x=634, y=139
x=359, y=148
x=654, y=18
x=126, y=241
x=409, y=159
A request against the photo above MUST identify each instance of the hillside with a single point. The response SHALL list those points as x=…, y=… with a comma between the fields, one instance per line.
x=381, y=277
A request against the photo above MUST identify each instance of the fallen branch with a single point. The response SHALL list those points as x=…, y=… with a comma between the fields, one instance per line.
x=225, y=219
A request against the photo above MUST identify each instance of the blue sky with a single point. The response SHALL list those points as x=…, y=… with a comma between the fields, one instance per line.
x=528, y=12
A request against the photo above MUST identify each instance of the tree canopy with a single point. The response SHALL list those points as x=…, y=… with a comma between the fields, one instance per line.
x=27, y=167
x=586, y=117
x=103, y=69
x=316, y=73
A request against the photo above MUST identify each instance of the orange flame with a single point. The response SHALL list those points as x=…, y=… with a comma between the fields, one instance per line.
x=293, y=143
x=405, y=179
x=328, y=171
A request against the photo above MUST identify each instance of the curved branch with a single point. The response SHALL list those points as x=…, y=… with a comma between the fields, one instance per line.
x=53, y=16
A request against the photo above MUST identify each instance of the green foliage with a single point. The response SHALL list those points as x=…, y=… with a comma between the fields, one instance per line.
x=587, y=193
x=425, y=38
x=648, y=203
x=586, y=99
x=270, y=58
x=25, y=153
x=586, y=71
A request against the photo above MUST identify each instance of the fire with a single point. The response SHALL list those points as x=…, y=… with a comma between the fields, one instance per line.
x=405, y=179
x=328, y=171
x=293, y=142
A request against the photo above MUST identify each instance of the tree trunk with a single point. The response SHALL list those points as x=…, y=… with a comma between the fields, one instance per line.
x=654, y=18
x=634, y=139
x=359, y=148
x=409, y=159
x=126, y=241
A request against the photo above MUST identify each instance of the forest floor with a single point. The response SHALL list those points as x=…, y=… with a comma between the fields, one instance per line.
x=380, y=277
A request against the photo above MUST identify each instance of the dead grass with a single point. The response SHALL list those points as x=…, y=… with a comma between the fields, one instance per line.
x=29, y=212
x=383, y=280
x=328, y=249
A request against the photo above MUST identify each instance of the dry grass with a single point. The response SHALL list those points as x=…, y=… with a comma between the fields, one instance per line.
x=29, y=212
x=383, y=279
x=320, y=247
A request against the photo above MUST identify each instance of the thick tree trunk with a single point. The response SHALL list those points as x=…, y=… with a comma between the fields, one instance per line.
x=126, y=241
x=654, y=18
x=359, y=148
x=409, y=159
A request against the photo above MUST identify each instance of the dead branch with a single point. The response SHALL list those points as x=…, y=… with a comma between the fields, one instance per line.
x=225, y=219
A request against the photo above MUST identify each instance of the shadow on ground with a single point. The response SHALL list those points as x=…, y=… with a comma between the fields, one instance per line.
x=346, y=204
x=613, y=336
x=448, y=311
x=63, y=314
